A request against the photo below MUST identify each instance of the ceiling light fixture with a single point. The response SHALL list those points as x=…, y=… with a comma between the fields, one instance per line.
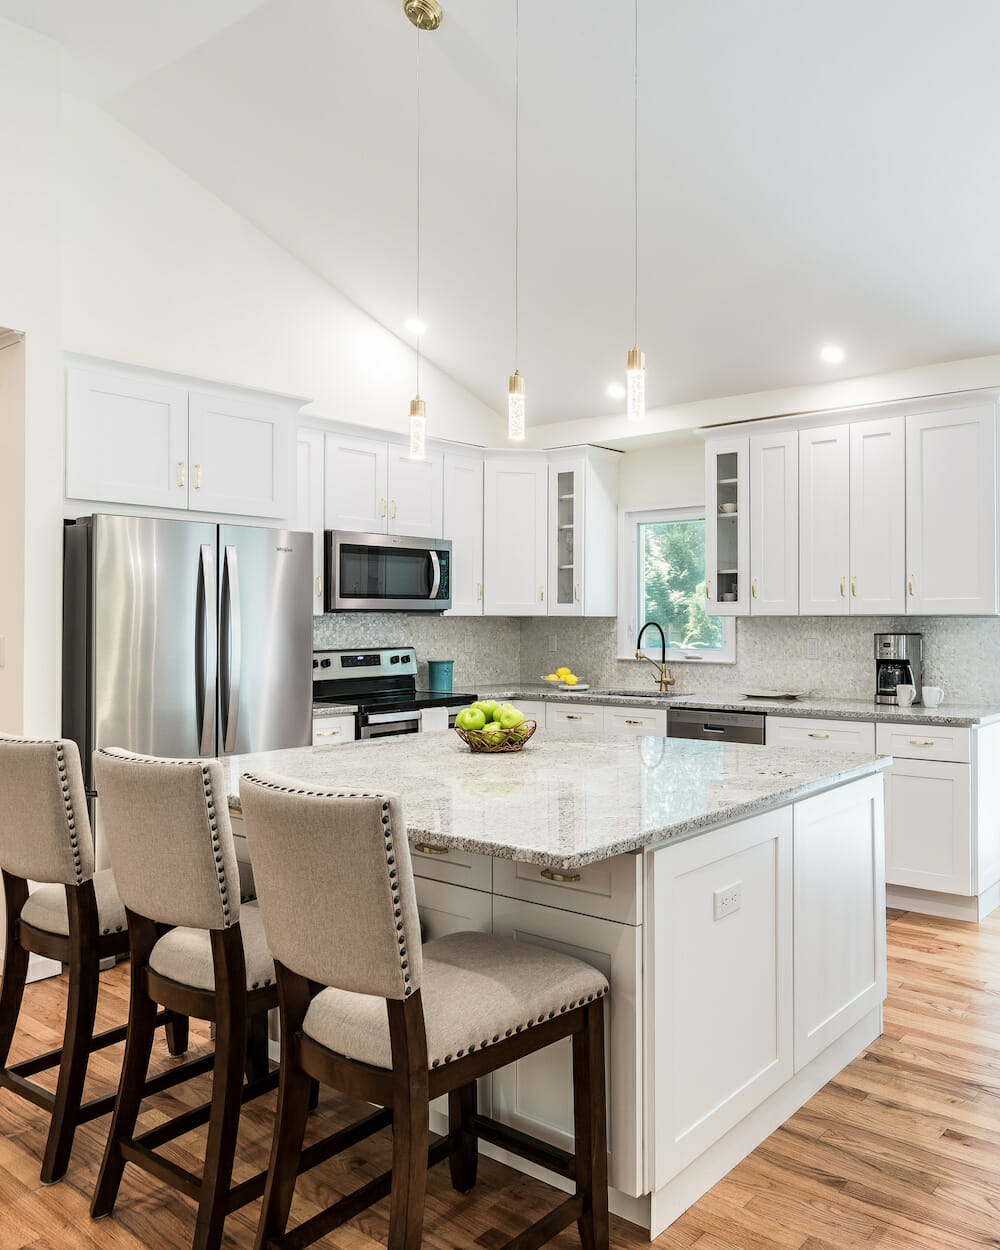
x=635, y=364
x=416, y=326
x=616, y=390
x=515, y=383
x=832, y=354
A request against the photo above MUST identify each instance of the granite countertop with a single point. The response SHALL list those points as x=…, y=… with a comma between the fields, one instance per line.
x=567, y=799
x=960, y=714
x=334, y=709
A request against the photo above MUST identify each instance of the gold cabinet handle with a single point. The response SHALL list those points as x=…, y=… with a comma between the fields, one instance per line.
x=395, y=510
x=541, y=594
x=319, y=587
x=328, y=733
x=854, y=586
x=816, y=735
x=479, y=590
x=909, y=582
x=570, y=716
x=632, y=722
x=180, y=472
x=753, y=588
x=843, y=591
x=197, y=477
x=921, y=742
x=382, y=508
x=708, y=588
x=576, y=593
x=550, y=874
x=425, y=848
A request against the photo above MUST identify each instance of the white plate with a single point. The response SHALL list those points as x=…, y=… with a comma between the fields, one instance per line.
x=580, y=685
x=772, y=694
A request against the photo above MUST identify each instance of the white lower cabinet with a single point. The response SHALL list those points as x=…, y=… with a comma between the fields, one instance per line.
x=831, y=735
x=839, y=932
x=635, y=720
x=535, y=1094
x=579, y=715
x=610, y=889
x=331, y=731
x=928, y=829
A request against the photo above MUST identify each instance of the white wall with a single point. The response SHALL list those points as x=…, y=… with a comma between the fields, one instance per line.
x=160, y=272
x=669, y=476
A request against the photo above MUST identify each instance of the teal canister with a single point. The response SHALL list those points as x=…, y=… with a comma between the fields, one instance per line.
x=439, y=675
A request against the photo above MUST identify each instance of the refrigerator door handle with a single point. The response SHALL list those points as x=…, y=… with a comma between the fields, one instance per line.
x=206, y=657
x=231, y=645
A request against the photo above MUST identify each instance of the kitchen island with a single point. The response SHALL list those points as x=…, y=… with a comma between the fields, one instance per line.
x=734, y=896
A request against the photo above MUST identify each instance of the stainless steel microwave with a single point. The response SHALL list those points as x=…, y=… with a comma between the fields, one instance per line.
x=386, y=573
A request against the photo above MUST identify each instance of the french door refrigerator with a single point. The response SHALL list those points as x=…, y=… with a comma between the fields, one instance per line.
x=185, y=638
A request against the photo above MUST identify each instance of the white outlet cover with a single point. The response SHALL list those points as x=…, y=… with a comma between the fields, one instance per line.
x=727, y=900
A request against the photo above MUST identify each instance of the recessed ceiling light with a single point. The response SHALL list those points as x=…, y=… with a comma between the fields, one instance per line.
x=832, y=354
x=416, y=326
x=616, y=390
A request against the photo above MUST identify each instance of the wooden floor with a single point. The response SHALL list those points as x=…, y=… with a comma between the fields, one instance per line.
x=902, y=1149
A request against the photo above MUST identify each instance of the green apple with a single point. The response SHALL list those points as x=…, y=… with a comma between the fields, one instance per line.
x=494, y=734
x=489, y=706
x=471, y=718
x=510, y=718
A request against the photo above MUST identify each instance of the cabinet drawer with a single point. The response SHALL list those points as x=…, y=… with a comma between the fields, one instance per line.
x=579, y=714
x=611, y=889
x=330, y=731
x=830, y=735
x=925, y=742
x=453, y=867
x=636, y=720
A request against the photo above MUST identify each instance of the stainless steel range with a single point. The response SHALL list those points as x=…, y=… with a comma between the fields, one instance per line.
x=382, y=684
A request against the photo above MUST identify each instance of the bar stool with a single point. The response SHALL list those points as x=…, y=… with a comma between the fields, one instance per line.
x=76, y=917
x=194, y=950
x=368, y=1010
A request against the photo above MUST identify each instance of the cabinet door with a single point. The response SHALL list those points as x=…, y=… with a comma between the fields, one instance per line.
x=727, y=528
x=635, y=720
x=824, y=521
x=308, y=512
x=774, y=524
x=827, y=735
x=356, y=490
x=928, y=825
x=416, y=493
x=574, y=716
x=239, y=456
x=951, y=512
x=878, y=516
x=332, y=731
x=463, y=524
x=126, y=439
x=514, y=537
x=535, y=1094
x=566, y=536
x=839, y=914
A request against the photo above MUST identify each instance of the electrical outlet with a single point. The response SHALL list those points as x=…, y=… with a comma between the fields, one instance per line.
x=812, y=648
x=553, y=643
x=728, y=899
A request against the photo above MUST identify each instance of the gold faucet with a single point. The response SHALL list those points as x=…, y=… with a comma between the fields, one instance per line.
x=664, y=679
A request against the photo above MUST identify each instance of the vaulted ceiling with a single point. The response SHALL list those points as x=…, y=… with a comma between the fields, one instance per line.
x=810, y=171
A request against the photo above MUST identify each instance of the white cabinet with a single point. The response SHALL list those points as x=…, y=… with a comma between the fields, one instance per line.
x=610, y=889
x=515, y=544
x=829, y=735
x=238, y=453
x=774, y=524
x=583, y=508
x=878, y=516
x=925, y=742
x=635, y=720
x=574, y=715
x=308, y=514
x=951, y=511
x=839, y=927
x=824, y=521
x=126, y=439
x=415, y=491
x=330, y=731
x=463, y=525
x=928, y=831
x=535, y=1094
x=356, y=486
x=727, y=528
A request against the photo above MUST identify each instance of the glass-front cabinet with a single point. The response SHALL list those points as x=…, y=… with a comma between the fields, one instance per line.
x=566, y=484
x=727, y=527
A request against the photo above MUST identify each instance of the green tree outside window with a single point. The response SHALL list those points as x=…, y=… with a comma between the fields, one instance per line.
x=672, y=583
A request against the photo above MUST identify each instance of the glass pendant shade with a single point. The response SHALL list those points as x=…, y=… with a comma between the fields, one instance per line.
x=636, y=370
x=515, y=406
x=418, y=428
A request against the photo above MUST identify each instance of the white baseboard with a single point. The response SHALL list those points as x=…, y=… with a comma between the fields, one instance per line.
x=40, y=968
x=974, y=907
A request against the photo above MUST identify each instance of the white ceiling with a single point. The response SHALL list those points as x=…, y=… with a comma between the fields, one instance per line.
x=809, y=172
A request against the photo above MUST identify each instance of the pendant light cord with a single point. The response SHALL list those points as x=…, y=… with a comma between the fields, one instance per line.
x=418, y=212
x=635, y=175
x=517, y=170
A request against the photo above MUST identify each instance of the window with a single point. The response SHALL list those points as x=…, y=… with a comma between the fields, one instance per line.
x=663, y=580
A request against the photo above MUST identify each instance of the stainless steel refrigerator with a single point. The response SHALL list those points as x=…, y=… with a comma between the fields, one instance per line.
x=185, y=638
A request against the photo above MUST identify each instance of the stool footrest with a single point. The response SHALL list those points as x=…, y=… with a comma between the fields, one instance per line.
x=342, y=1140
x=26, y=1089
x=559, y=1161
x=171, y=1173
x=548, y=1226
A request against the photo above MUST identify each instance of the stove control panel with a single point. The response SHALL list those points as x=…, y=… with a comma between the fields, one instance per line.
x=378, y=662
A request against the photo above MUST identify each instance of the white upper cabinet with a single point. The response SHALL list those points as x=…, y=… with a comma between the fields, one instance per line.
x=878, y=516
x=463, y=524
x=415, y=491
x=308, y=513
x=356, y=491
x=126, y=439
x=727, y=526
x=238, y=453
x=583, y=533
x=515, y=544
x=951, y=511
x=824, y=521
x=774, y=524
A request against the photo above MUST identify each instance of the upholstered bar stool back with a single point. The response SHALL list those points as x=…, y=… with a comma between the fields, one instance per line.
x=342, y=859
x=170, y=838
x=44, y=827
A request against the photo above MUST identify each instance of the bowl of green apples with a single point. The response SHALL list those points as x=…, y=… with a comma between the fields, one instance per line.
x=490, y=727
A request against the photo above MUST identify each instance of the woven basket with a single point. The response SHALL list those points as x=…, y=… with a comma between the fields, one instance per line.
x=481, y=743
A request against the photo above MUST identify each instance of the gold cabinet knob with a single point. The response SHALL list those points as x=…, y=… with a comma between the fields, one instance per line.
x=753, y=588
x=381, y=507
x=843, y=591
x=854, y=587
x=319, y=588
x=816, y=735
x=197, y=477
x=180, y=472
x=550, y=874
x=909, y=582
x=425, y=848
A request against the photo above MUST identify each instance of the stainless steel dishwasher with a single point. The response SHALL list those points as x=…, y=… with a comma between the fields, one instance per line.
x=709, y=726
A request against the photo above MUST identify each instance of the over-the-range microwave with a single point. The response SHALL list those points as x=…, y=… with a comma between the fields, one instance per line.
x=387, y=572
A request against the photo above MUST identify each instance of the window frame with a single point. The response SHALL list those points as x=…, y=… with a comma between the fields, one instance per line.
x=628, y=586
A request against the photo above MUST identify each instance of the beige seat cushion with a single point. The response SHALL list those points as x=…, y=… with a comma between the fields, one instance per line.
x=46, y=907
x=185, y=955
x=477, y=989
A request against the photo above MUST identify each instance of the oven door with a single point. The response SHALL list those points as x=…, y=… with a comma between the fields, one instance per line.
x=387, y=724
x=387, y=572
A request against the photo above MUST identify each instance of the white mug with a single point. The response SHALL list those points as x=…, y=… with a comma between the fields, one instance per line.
x=931, y=695
x=905, y=695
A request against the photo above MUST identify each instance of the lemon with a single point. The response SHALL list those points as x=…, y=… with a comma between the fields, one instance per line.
x=552, y=677
x=570, y=680
x=563, y=672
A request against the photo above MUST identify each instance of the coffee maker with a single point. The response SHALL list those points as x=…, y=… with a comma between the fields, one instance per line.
x=898, y=662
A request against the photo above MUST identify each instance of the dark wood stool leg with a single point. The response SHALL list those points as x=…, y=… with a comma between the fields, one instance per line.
x=313, y=1095
x=81, y=1008
x=464, y=1159
x=227, y=1081
x=257, y=1065
x=138, y=1045
x=590, y=1116
x=15, y=964
x=176, y=1029
x=410, y=1109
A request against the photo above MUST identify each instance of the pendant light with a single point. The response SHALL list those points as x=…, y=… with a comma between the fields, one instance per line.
x=636, y=361
x=515, y=383
x=425, y=15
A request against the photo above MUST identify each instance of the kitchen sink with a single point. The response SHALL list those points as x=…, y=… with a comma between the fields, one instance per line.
x=639, y=694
